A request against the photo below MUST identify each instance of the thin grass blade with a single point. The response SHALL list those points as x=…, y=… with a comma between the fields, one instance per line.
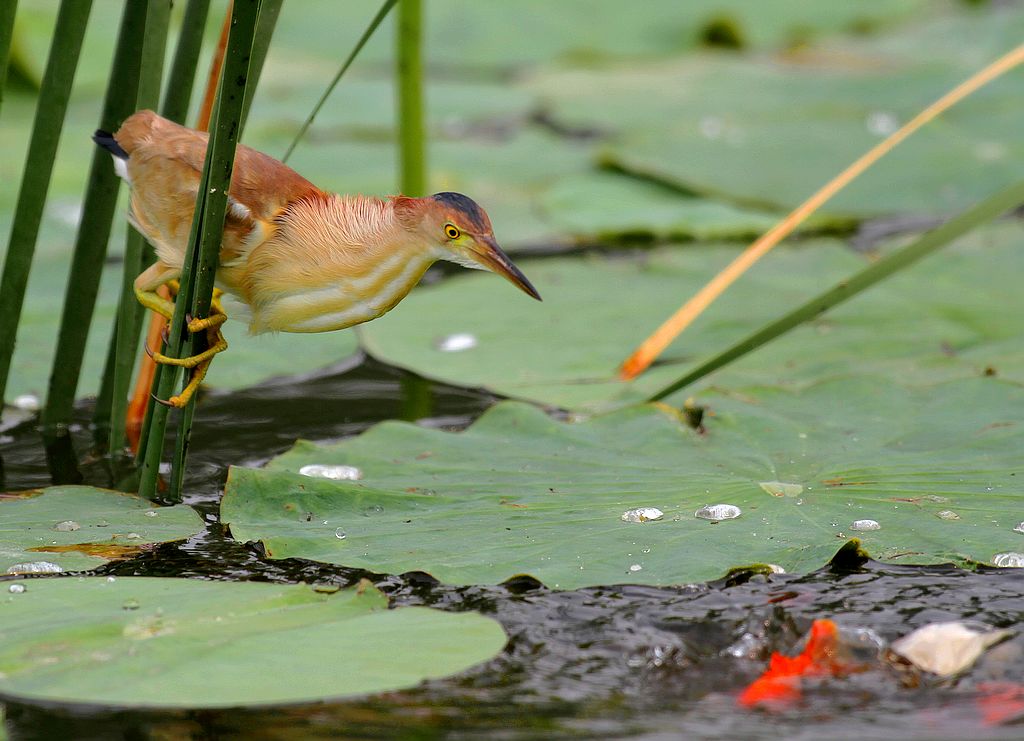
x=888, y=266
x=377, y=19
x=203, y=254
x=46, y=132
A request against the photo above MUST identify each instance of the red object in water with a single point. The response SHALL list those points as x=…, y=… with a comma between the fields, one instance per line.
x=1000, y=702
x=780, y=684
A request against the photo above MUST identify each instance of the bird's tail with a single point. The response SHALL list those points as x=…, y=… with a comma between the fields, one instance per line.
x=106, y=140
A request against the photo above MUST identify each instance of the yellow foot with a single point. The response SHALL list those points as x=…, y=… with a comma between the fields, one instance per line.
x=179, y=401
x=199, y=363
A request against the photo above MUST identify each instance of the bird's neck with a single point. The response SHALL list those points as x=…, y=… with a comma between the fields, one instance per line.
x=360, y=258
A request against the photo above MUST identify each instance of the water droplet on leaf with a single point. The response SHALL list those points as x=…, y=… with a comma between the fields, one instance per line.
x=67, y=526
x=16, y=588
x=456, y=342
x=130, y=604
x=947, y=514
x=1009, y=560
x=780, y=489
x=642, y=514
x=865, y=525
x=35, y=567
x=340, y=534
x=718, y=512
x=372, y=510
x=336, y=473
x=636, y=567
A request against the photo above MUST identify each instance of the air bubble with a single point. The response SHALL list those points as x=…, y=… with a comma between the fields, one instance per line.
x=642, y=514
x=335, y=473
x=718, y=512
x=865, y=525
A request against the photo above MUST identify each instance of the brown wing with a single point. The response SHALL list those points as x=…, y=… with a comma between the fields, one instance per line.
x=165, y=161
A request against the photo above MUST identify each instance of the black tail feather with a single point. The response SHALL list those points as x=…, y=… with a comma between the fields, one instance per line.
x=106, y=140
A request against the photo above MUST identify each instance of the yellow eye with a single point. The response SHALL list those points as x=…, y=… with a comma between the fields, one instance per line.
x=452, y=231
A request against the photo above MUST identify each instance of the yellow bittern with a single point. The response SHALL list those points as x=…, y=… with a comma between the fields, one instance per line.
x=301, y=259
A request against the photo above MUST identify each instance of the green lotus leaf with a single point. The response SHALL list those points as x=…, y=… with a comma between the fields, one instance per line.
x=79, y=527
x=156, y=642
x=937, y=469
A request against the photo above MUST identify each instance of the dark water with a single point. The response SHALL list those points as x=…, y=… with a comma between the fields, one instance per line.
x=613, y=662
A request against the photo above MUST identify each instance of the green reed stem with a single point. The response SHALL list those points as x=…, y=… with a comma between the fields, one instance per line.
x=270, y=10
x=7, y=11
x=412, y=156
x=94, y=231
x=203, y=253
x=35, y=183
x=983, y=212
x=181, y=80
x=377, y=19
x=130, y=312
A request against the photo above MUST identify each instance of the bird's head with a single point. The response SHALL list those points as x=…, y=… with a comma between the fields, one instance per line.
x=460, y=231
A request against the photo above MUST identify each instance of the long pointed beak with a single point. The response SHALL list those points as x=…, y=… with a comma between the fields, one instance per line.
x=493, y=258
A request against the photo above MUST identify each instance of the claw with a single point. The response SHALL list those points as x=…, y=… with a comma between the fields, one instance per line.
x=165, y=334
x=158, y=400
x=149, y=350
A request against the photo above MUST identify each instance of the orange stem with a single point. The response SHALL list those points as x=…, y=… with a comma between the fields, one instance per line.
x=654, y=345
x=154, y=335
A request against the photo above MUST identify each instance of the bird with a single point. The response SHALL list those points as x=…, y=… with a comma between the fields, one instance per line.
x=297, y=258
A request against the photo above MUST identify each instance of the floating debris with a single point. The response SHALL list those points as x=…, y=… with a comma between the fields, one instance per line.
x=340, y=534
x=642, y=514
x=1009, y=560
x=67, y=526
x=718, y=512
x=35, y=567
x=948, y=648
x=780, y=489
x=336, y=473
x=865, y=525
x=16, y=588
x=456, y=342
x=947, y=514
